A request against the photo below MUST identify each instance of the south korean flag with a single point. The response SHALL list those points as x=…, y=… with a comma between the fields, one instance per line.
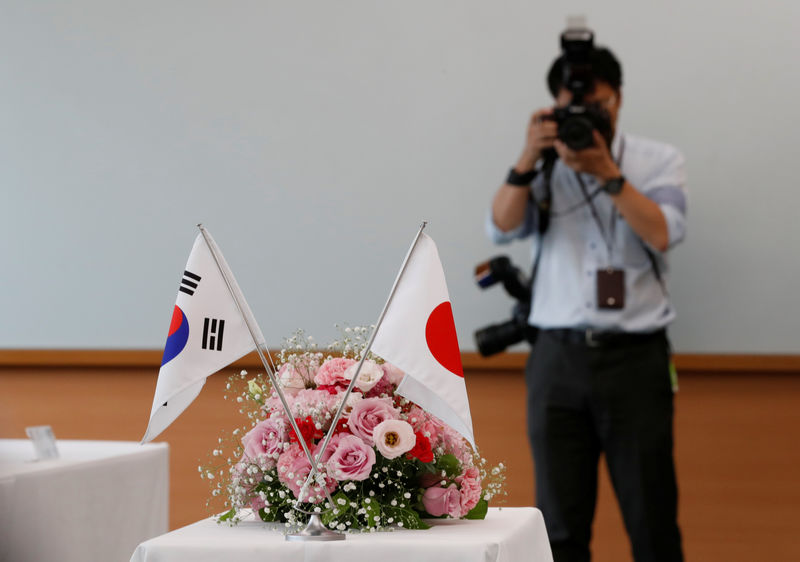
x=207, y=332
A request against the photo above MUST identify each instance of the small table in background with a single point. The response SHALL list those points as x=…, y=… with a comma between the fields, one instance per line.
x=95, y=502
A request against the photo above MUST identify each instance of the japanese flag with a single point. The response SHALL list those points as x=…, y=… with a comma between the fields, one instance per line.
x=207, y=333
x=418, y=335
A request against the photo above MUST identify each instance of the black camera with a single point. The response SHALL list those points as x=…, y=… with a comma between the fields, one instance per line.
x=497, y=337
x=577, y=120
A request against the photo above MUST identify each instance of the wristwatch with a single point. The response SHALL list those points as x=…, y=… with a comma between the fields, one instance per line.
x=614, y=185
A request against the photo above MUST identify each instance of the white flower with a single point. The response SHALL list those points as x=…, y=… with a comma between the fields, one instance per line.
x=368, y=377
x=393, y=438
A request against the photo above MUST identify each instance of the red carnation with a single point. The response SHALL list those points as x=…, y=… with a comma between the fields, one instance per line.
x=329, y=388
x=421, y=450
x=308, y=429
x=341, y=426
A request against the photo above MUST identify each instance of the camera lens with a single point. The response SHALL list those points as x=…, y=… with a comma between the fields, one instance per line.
x=576, y=132
x=497, y=337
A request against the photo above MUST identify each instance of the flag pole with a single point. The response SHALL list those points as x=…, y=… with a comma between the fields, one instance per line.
x=270, y=373
x=365, y=351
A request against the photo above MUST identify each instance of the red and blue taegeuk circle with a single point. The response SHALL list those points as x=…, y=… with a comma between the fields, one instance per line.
x=177, y=337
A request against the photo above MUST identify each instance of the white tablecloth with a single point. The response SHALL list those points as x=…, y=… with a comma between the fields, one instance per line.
x=506, y=535
x=94, y=503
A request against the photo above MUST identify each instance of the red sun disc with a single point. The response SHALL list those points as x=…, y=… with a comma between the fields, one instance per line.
x=440, y=334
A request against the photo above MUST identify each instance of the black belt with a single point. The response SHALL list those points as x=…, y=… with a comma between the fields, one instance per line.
x=593, y=338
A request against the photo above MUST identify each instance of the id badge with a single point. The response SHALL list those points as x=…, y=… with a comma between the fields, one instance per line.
x=611, y=288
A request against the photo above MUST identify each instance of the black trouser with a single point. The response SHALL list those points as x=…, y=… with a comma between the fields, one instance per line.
x=616, y=400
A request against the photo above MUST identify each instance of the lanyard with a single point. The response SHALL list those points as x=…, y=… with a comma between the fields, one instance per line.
x=608, y=240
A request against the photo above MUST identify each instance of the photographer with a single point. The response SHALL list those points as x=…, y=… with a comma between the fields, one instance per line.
x=603, y=211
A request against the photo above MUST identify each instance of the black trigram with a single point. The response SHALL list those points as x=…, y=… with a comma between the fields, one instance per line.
x=189, y=283
x=212, y=334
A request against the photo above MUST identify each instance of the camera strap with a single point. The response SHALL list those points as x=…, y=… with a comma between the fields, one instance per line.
x=656, y=270
x=543, y=215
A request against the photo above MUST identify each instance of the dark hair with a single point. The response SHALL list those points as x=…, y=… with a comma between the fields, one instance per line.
x=605, y=67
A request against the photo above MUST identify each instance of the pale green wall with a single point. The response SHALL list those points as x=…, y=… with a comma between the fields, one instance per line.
x=312, y=137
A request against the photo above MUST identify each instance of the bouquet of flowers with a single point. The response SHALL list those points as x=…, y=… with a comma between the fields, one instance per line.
x=388, y=463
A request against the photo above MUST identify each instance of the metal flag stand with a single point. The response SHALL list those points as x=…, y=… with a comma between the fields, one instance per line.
x=314, y=530
x=310, y=532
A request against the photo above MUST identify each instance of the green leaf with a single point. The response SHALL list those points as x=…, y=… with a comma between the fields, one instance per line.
x=479, y=511
x=228, y=515
x=269, y=516
x=373, y=510
x=408, y=517
x=329, y=516
x=450, y=464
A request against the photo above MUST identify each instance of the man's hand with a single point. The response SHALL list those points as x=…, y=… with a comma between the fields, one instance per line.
x=642, y=214
x=595, y=160
x=542, y=134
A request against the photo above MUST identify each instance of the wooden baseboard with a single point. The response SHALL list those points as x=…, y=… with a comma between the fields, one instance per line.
x=700, y=363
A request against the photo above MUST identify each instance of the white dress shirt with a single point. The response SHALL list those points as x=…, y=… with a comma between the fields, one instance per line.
x=574, y=247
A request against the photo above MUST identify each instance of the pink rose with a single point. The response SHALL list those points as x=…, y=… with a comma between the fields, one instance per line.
x=393, y=438
x=293, y=468
x=393, y=374
x=333, y=444
x=352, y=459
x=368, y=413
x=332, y=372
x=265, y=441
x=442, y=501
x=470, y=488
